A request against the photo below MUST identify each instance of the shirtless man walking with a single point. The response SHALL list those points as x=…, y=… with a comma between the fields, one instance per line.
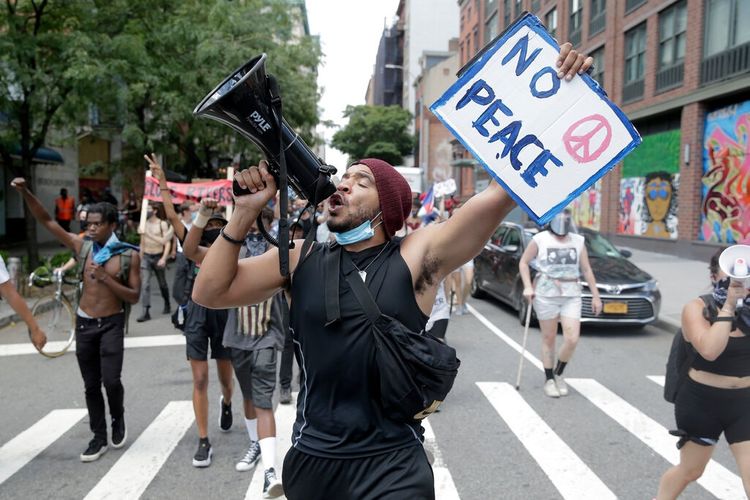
x=100, y=318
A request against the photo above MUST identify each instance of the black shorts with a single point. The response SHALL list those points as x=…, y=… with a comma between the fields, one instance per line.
x=204, y=326
x=256, y=372
x=403, y=474
x=703, y=412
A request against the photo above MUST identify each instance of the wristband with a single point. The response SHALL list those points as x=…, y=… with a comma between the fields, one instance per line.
x=200, y=220
x=229, y=238
x=728, y=319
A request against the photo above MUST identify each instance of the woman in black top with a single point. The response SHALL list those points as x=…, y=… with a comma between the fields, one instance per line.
x=716, y=396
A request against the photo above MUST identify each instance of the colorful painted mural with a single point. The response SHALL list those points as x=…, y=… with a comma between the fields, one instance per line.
x=586, y=209
x=649, y=187
x=725, y=208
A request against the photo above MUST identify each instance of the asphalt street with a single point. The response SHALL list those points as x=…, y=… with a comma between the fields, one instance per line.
x=607, y=439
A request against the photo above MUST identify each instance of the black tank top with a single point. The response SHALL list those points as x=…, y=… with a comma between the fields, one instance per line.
x=734, y=361
x=338, y=413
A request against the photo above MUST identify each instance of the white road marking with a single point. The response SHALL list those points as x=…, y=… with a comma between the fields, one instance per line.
x=568, y=473
x=133, y=472
x=505, y=338
x=28, y=444
x=445, y=488
x=657, y=379
x=130, y=342
x=718, y=480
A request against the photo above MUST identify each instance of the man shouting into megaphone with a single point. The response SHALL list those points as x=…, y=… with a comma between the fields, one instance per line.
x=345, y=444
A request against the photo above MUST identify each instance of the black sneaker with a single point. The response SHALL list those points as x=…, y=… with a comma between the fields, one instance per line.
x=96, y=449
x=225, y=415
x=145, y=316
x=119, y=432
x=285, y=395
x=272, y=487
x=203, y=456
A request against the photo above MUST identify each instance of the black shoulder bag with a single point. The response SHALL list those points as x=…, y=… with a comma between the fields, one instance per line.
x=416, y=370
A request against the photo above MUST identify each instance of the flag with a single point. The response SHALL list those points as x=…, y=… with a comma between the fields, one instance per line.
x=428, y=204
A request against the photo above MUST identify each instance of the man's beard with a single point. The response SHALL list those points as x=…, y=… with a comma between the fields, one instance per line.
x=351, y=221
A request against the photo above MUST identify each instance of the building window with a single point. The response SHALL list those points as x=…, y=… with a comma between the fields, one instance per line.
x=672, y=26
x=551, y=21
x=633, y=4
x=576, y=16
x=598, y=72
x=491, y=29
x=476, y=39
x=518, y=9
x=727, y=25
x=635, y=62
x=506, y=13
x=598, y=16
x=489, y=7
x=534, y=5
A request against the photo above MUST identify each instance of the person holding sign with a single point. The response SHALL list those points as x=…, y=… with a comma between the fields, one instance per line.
x=345, y=445
x=561, y=258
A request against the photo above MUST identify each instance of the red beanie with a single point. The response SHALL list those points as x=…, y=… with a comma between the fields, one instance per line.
x=394, y=193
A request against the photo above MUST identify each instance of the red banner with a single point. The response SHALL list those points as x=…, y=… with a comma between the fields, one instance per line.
x=218, y=190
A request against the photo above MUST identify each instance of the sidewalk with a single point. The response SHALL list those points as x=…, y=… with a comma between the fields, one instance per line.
x=680, y=280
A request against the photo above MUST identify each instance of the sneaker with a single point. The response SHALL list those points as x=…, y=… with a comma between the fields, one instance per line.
x=562, y=387
x=285, y=395
x=119, y=433
x=250, y=459
x=465, y=309
x=550, y=389
x=459, y=310
x=271, y=485
x=96, y=449
x=203, y=456
x=145, y=316
x=225, y=415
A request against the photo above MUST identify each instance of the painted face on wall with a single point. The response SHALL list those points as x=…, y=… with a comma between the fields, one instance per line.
x=658, y=196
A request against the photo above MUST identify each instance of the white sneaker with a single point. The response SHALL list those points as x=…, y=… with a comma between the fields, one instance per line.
x=550, y=389
x=272, y=487
x=562, y=387
x=250, y=459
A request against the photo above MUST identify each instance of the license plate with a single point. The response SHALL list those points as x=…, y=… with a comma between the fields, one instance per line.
x=616, y=307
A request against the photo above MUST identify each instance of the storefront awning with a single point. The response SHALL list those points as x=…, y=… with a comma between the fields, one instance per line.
x=43, y=155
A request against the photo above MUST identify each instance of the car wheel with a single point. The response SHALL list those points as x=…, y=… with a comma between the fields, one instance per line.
x=522, y=314
x=475, y=291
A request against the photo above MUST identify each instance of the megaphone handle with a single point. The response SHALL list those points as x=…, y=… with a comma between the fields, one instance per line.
x=239, y=191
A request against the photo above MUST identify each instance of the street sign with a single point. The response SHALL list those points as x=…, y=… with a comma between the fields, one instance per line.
x=545, y=140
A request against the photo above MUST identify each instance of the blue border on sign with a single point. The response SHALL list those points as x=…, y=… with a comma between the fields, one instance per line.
x=467, y=74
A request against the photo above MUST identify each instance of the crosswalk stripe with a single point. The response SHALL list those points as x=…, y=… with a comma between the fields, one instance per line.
x=130, y=342
x=445, y=488
x=284, y=415
x=505, y=338
x=657, y=379
x=133, y=472
x=28, y=444
x=567, y=472
x=716, y=479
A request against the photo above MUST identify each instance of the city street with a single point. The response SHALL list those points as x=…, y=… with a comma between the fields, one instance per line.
x=607, y=439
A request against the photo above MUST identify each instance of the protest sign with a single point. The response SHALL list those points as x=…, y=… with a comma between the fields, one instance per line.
x=545, y=140
x=445, y=188
x=220, y=190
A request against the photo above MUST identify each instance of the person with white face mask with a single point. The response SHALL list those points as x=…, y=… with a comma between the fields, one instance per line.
x=561, y=259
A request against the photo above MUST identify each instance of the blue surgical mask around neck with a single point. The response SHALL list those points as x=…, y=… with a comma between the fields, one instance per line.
x=363, y=232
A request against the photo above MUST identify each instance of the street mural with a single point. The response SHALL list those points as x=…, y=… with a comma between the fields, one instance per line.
x=725, y=190
x=586, y=209
x=649, y=187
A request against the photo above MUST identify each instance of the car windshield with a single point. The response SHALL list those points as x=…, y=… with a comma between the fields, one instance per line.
x=599, y=246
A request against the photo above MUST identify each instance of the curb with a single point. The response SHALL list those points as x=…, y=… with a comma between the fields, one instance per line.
x=15, y=318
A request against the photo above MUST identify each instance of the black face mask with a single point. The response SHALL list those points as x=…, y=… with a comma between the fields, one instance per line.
x=209, y=236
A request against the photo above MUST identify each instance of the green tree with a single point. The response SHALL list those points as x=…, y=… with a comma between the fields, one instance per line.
x=51, y=64
x=380, y=131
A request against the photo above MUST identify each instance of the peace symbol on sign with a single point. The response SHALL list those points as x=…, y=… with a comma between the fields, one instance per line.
x=582, y=137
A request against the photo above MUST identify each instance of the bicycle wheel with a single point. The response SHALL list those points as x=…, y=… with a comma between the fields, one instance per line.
x=55, y=318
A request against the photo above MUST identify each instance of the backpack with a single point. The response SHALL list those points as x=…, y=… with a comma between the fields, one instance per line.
x=123, y=275
x=682, y=354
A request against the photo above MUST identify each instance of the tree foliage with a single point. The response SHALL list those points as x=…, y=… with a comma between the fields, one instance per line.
x=143, y=65
x=380, y=131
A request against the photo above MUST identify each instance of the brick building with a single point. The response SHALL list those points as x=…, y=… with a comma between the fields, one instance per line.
x=680, y=69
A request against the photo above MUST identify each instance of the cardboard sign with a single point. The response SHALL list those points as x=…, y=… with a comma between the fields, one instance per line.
x=445, y=188
x=545, y=140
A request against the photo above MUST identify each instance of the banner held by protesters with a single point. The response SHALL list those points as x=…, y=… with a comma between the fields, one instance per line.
x=544, y=142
